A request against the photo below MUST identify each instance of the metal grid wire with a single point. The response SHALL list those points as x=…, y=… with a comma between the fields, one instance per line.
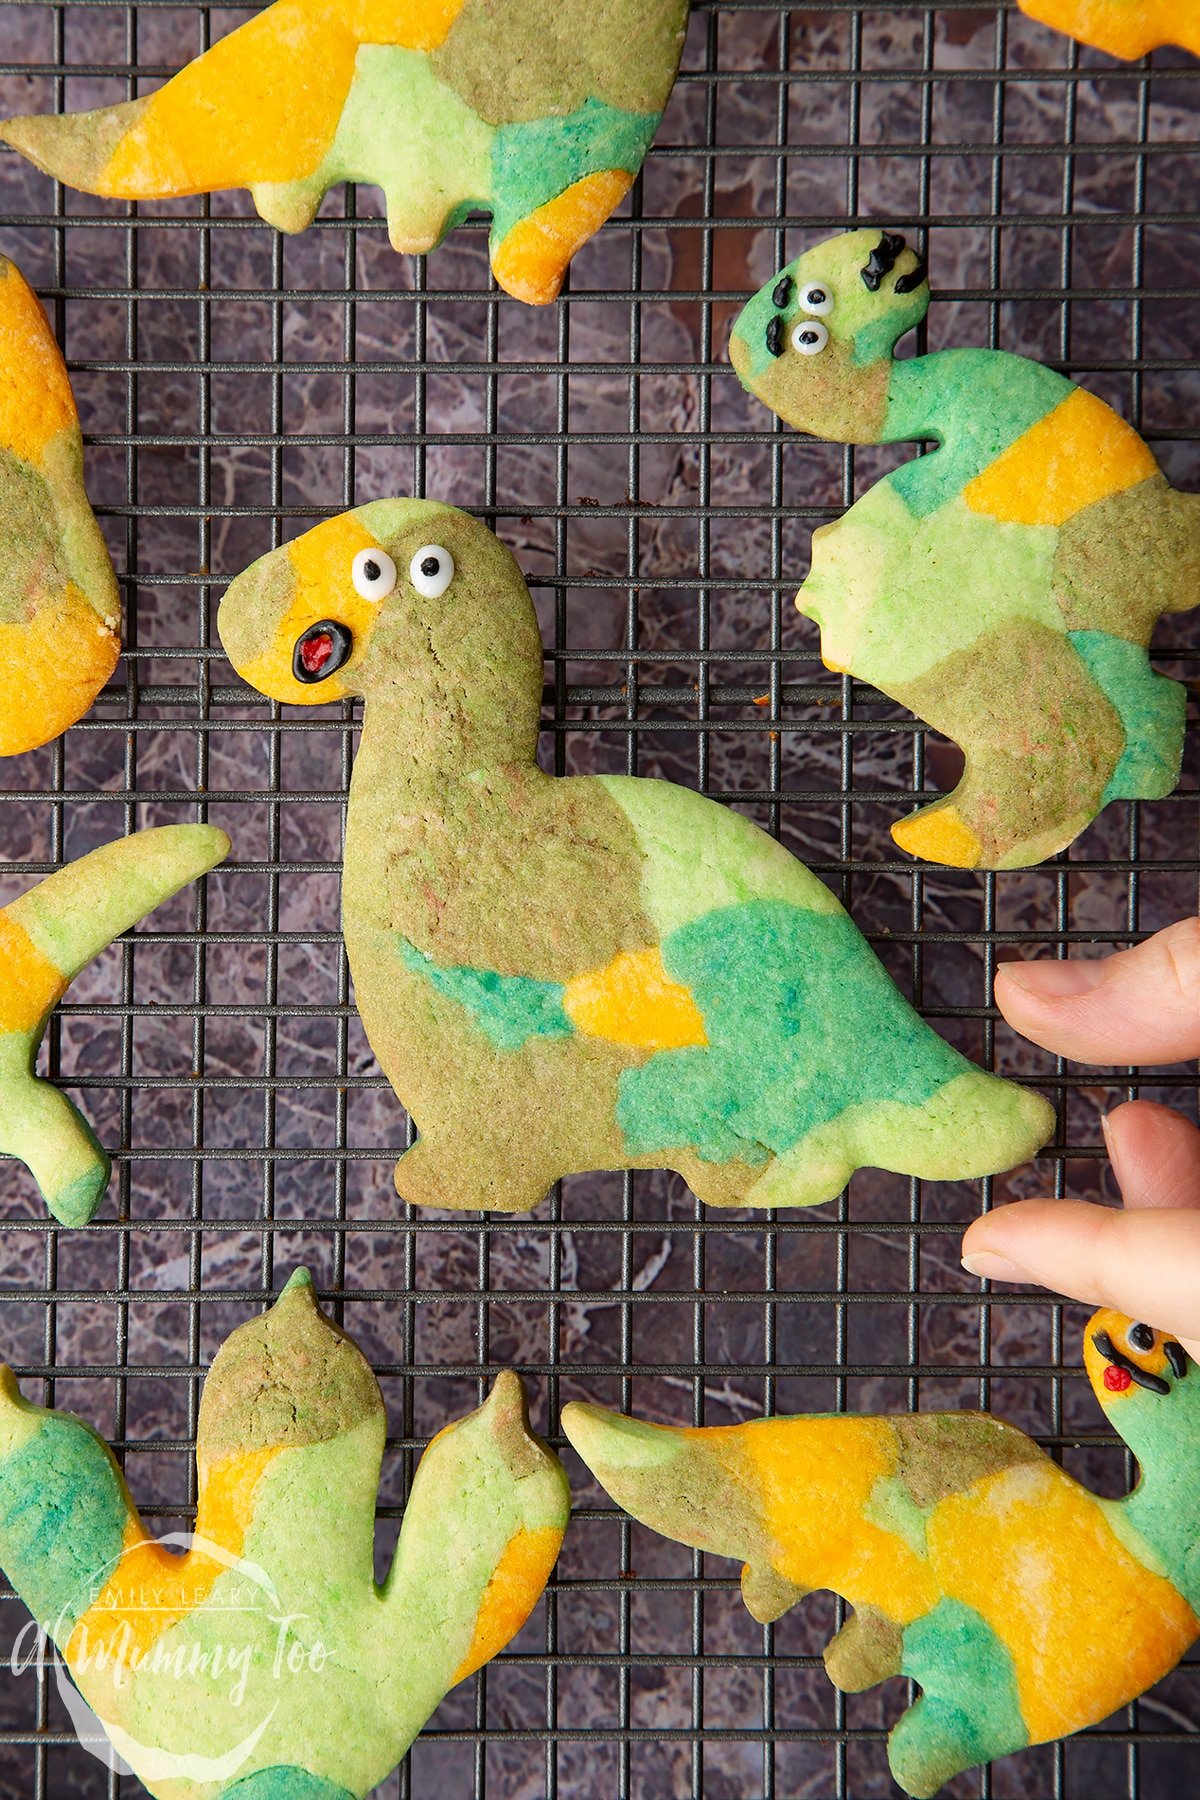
x=235, y=386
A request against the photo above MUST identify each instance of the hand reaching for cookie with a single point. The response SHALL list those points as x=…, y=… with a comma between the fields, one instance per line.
x=1139, y=1006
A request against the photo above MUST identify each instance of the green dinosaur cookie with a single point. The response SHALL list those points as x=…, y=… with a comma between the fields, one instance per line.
x=560, y=975
x=266, y=1664
x=46, y=938
x=1004, y=588
x=537, y=111
x=1024, y=1606
x=60, y=612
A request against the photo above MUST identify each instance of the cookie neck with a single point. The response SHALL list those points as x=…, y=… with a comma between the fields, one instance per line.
x=1163, y=1432
x=420, y=739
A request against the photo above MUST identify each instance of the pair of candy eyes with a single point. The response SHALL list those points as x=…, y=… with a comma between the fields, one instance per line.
x=809, y=335
x=374, y=573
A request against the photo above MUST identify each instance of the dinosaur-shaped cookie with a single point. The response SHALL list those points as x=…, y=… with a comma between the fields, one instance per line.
x=1005, y=587
x=60, y=612
x=537, y=111
x=266, y=1664
x=1024, y=1606
x=46, y=937
x=1125, y=28
x=597, y=973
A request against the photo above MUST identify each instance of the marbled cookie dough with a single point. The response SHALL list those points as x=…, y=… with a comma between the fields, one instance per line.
x=46, y=937
x=537, y=111
x=1004, y=588
x=1125, y=28
x=1024, y=1606
x=266, y=1664
x=598, y=973
x=60, y=612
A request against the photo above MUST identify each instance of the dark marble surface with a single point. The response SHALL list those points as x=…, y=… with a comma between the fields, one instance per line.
x=212, y=361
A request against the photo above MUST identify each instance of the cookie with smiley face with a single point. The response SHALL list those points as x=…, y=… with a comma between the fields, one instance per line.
x=598, y=973
x=1003, y=588
x=1024, y=1606
x=537, y=111
x=1125, y=28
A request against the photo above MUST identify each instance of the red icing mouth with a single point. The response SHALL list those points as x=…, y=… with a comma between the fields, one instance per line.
x=1117, y=1380
x=315, y=652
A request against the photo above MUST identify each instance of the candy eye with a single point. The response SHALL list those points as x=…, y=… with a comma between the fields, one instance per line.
x=431, y=571
x=810, y=337
x=817, y=299
x=374, y=574
x=1141, y=1337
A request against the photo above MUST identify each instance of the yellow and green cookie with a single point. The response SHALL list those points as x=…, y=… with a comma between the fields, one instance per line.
x=1005, y=587
x=60, y=612
x=537, y=111
x=266, y=1662
x=1125, y=28
x=596, y=973
x=46, y=937
x=1024, y=1606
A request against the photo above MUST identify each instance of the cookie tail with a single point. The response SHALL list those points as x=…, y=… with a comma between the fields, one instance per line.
x=76, y=913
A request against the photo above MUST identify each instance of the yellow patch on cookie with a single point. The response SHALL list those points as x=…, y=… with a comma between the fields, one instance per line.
x=939, y=835
x=1081, y=452
x=1125, y=28
x=152, y=1589
x=264, y=103
x=29, y=982
x=1057, y=1587
x=321, y=560
x=35, y=395
x=52, y=667
x=510, y=1595
x=531, y=259
x=634, y=1001
x=816, y=1485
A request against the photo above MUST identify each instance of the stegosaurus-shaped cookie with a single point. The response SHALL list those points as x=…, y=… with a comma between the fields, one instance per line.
x=266, y=1664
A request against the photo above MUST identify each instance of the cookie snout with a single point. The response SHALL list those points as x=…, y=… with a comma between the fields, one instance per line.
x=321, y=650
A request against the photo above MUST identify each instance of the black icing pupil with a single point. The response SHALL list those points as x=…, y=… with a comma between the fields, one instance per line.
x=808, y=337
x=372, y=571
x=1141, y=1337
x=430, y=566
x=816, y=296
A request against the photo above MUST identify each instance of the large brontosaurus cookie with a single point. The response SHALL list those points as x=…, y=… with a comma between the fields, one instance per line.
x=60, y=612
x=266, y=1664
x=1005, y=587
x=560, y=975
x=1125, y=28
x=538, y=111
x=1024, y=1606
x=46, y=937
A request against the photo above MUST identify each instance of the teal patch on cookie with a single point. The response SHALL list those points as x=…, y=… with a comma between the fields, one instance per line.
x=510, y=1009
x=63, y=1514
x=285, y=1784
x=1152, y=711
x=771, y=981
x=535, y=162
x=970, y=1711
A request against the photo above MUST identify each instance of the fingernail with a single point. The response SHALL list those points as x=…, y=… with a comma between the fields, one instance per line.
x=990, y=1267
x=1054, y=980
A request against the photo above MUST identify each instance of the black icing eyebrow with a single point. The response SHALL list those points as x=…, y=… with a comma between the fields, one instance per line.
x=775, y=336
x=1154, y=1384
x=1177, y=1357
x=908, y=284
x=783, y=292
x=882, y=260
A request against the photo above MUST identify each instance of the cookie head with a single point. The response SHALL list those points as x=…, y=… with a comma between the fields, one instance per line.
x=404, y=601
x=815, y=344
x=1135, y=1372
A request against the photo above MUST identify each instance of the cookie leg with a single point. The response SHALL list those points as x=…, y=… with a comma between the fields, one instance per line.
x=970, y=1709
x=468, y=1175
x=51, y=1137
x=1041, y=741
x=934, y=1741
x=531, y=259
x=865, y=1651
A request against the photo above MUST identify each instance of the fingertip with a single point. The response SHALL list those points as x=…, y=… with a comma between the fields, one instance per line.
x=1155, y=1154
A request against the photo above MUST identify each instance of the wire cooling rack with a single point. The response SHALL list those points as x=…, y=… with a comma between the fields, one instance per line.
x=236, y=385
